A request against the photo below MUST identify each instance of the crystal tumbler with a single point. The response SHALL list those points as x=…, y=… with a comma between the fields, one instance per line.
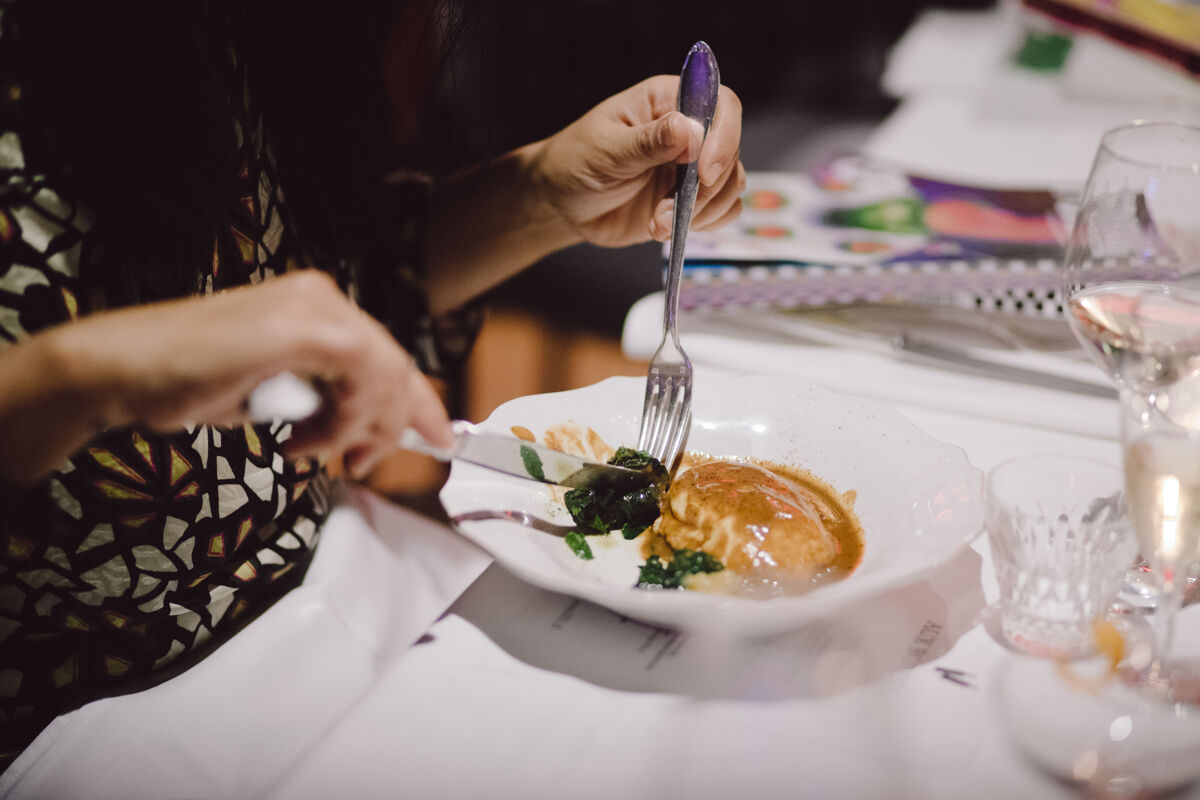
x=1061, y=544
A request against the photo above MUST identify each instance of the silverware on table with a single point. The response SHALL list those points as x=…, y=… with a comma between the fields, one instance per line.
x=911, y=348
x=667, y=409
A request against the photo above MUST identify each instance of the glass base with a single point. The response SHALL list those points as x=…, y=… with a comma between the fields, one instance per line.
x=1114, y=739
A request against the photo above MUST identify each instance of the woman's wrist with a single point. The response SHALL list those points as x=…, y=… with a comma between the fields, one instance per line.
x=543, y=213
x=50, y=405
x=87, y=380
x=490, y=222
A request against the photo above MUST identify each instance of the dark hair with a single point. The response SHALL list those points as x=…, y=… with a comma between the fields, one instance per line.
x=127, y=106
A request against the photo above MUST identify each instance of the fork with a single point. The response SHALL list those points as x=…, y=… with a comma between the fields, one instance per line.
x=667, y=409
x=517, y=516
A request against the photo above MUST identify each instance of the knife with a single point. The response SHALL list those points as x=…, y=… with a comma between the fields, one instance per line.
x=529, y=460
x=289, y=397
x=914, y=349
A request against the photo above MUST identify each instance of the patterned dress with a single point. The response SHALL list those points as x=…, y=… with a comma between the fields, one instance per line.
x=143, y=550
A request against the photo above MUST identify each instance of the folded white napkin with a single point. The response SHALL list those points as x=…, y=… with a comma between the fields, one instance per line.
x=233, y=724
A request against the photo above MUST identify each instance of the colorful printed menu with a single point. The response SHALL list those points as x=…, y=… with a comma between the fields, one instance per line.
x=857, y=230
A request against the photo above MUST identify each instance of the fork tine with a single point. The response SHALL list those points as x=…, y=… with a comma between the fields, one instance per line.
x=680, y=417
x=674, y=445
x=651, y=418
x=656, y=417
x=666, y=417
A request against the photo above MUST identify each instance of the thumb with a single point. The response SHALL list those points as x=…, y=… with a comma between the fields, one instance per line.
x=672, y=137
x=429, y=417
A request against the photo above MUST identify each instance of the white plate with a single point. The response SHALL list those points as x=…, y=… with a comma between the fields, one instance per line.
x=918, y=499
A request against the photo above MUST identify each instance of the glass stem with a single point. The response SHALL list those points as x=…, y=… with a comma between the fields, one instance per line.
x=1164, y=620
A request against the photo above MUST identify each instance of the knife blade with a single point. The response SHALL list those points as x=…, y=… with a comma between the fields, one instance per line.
x=289, y=397
x=529, y=460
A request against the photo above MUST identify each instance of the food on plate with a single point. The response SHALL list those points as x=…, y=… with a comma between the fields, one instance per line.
x=629, y=512
x=746, y=516
x=678, y=570
x=730, y=525
x=774, y=529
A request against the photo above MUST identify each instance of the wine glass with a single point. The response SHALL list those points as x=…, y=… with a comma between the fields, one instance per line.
x=1131, y=281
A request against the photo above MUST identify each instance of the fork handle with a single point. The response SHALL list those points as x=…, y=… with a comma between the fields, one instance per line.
x=698, y=85
x=685, y=200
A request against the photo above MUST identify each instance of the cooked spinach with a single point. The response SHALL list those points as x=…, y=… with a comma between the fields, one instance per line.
x=532, y=462
x=640, y=460
x=579, y=545
x=670, y=575
x=601, y=511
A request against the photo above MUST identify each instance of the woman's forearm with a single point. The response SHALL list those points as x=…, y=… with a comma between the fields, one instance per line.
x=60, y=387
x=487, y=224
x=607, y=178
x=47, y=411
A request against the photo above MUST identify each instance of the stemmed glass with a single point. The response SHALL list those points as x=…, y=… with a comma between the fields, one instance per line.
x=1131, y=284
x=1131, y=280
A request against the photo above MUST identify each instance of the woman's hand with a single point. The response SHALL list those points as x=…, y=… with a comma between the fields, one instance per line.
x=197, y=360
x=608, y=178
x=611, y=173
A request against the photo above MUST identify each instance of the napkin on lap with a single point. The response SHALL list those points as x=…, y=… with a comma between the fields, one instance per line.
x=234, y=723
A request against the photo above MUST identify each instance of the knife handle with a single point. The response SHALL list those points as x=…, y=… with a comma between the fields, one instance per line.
x=411, y=440
x=287, y=396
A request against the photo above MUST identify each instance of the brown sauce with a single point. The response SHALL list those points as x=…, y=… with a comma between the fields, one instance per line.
x=578, y=439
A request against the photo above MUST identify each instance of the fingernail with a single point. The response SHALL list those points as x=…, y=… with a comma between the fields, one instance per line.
x=360, y=469
x=665, y=137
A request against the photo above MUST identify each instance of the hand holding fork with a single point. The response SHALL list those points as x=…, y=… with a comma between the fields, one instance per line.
x=667, y=410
